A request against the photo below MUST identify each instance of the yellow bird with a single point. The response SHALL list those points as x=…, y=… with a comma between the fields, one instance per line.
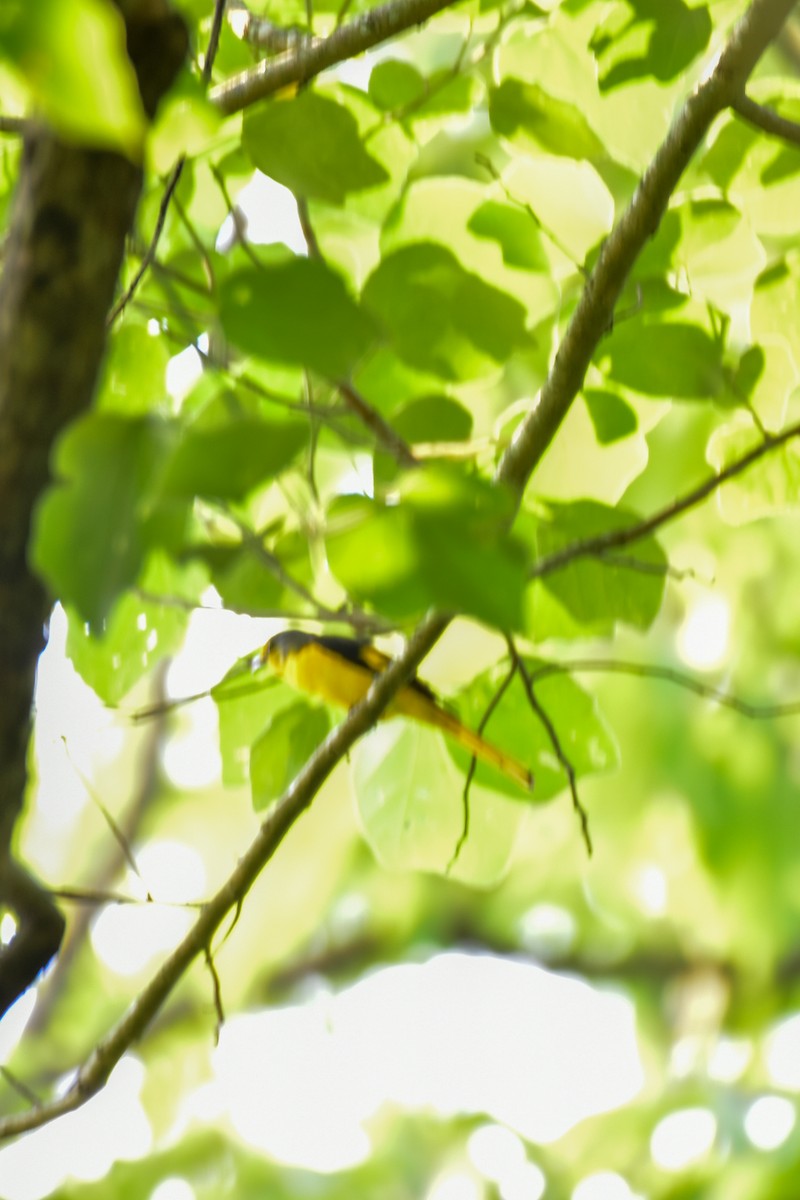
x=339, y=670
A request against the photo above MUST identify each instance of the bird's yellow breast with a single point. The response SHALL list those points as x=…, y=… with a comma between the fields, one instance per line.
x=334, y=679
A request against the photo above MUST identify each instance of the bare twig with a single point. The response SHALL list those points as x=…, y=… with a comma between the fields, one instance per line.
x=120, y=836
x=217, y=993
x=484, y=721
x=614, y=539
x=308, y=58
x=94, y=898
x=173, y=179
x=320, y=611
x=369, y=416
x=555, y=742
x=213, y=40
x=149, y=254
x=767, y=120
x=682, y=679
x=629, y=562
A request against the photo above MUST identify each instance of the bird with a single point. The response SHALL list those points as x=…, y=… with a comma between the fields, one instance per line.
x=339, y=670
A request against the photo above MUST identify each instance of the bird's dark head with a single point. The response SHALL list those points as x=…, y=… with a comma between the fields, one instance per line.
x=281, y=647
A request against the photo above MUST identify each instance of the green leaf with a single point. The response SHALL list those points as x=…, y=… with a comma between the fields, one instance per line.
x=433, y=419
x=525, y=113
x=311, y=145
x=297, y=312
x=139, y=631
x=288, y=741
x=73, y=57
x=708, y=243
x=393, y=84
x=186, y=125
x=582, y=732
x=134, y=372
x=229, y=461
x=775, y=308
x=451, y=211
x=770, y=486
x=594, y=594
x=93, y=529
x=427, y=419
x=611, y=416
x=514, y=231
x=442, y=543
x=649, y=37
x=568, y=198
x=410, y=801
x=674, y=359
x=442, y=318
x=396, y=86
x=245, y=582
x=246, y=699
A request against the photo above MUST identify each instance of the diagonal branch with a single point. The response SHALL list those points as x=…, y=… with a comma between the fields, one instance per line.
x=751, y=35
x=682, y=679
x=95, y=1072
x=767, y=120
x=616, y=538
x=311, y=56
x=593, y=316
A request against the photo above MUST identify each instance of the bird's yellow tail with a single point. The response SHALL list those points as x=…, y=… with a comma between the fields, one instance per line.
x=412, y=704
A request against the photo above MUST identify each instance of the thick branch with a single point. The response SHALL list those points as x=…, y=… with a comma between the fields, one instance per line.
x=93, y=1075
x=310, y=57
x=72, y=211
x=593, y=316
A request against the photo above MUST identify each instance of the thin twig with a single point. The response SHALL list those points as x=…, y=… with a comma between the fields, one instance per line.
x=369, y=416
x=27, y=1092
x=217, y=993
x=767, y=120
x=121, y=838
x=173, y=179
x=682, y=679
x=172, y=182
x=555, y=742
x=94, y=898
x=384, y=434
x=213, y=40
x=616, y=538
x=629, y=562
x=275, y=567
x=473, y=765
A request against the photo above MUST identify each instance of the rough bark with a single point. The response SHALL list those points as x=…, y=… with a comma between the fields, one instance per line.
x=72, y=211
